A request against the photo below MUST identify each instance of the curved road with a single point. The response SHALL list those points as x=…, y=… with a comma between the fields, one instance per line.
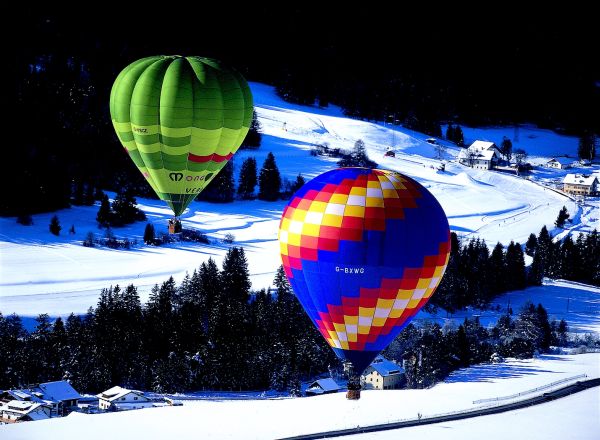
x=546, y=397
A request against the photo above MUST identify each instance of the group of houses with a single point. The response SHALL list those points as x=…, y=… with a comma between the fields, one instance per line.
x=382, y=374
x=59, y=398
x=486, y=156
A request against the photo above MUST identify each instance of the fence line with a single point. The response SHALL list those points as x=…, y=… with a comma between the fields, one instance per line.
x=533, y=390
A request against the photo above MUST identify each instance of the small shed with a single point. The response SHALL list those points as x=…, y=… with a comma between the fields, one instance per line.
x=322, y=386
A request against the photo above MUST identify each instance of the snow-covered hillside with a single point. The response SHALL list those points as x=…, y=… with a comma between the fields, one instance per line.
x=41, y=273
x=277, y=418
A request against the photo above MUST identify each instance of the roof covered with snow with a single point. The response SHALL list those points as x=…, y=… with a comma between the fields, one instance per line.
x=19, y=406
x=19, y=394
x=478, y=153
x=116, y=392
x=565, y=161
x=323, y=385
x=580, y=179
x=482, y=145
x=59, y=390
x=386, y=368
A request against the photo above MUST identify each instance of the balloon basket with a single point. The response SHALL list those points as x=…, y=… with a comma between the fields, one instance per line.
x=353, y=395
x=174, y=225
x=354, y=388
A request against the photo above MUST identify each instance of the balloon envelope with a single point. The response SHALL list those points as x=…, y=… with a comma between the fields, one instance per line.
x=363, y=250
x=180, y=119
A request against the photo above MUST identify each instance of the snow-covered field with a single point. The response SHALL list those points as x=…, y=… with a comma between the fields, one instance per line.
x=40, y=273
x=267, y=419
x=559, y=419
x=578, y=304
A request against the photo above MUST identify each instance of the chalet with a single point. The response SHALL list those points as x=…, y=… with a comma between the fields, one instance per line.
x=480, y=155
x=383, y=374
x=322, y=386
x=120, y=399
x=581, y=185
x=23, y=410
x=560, y=163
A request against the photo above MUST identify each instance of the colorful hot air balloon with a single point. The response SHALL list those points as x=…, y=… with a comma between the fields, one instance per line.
x=364, y=250
x=180, y=119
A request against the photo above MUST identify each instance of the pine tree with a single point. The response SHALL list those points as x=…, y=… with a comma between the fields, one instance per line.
x=13, y=358
x=587, y=146
x=149, y=236
x=39, y=355
x=458, y=136
x=58, y=349
x=124, y=208
x=222, y=188
x=515, y=267
x=248, y=179
x=358, y=157
x=547, y=251
x=269, y=180
x=563, y=216
x=254, y=136
x=105, y=214
x=506, y=148
x=298, y=183
x=497, y=271
x=531, y=245
x=450, y=133
x=570, y=260
x=55, y=226
x=88, y=197
x=535, y=272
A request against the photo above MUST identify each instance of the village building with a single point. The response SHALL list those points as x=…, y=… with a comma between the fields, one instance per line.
x=581, y=185
x=120, y=399
x=560, y=163
x=22, y=410
x=480, y=155
x=383, y=374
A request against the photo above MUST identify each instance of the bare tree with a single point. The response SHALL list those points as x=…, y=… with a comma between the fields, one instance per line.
x=440, y=150
x=472, y=157
x=520, y=156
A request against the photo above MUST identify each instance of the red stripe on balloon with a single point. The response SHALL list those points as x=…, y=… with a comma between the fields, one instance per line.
x=209, y=158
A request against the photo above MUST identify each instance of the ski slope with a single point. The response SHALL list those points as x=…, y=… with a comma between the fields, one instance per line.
x=277, y=418
x=40, y=273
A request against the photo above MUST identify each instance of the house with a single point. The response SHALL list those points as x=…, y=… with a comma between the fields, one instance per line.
x=560, y=163
x=119, y=399
x=480, y=155
x=59, y=396
x=23, y=410
x=383, y=374
x=59, y=391
x=322, y=386
x=580, y=184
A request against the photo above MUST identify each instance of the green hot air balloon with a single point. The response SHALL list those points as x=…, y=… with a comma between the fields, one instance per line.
x=180, y=119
